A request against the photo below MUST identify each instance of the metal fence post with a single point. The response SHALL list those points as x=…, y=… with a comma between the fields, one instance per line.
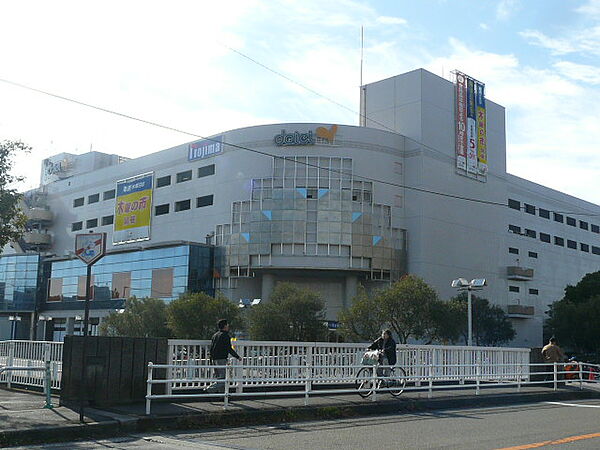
x=48, y=386
x=227, y=378
x=430, y=368
x=477, y=375
x=10, y=363
x=308, y=384
x=555, y=376
x=171, y=359
x=149, y=388
x=519, y=375
x=580, y=375
x=374, y=383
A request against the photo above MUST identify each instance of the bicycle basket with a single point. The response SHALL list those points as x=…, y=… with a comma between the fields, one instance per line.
x=370, y=358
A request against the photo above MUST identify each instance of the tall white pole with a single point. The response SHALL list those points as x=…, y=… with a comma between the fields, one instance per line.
x=470, y=317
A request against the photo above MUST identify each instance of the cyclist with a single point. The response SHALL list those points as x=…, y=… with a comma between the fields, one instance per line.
x=388, y=347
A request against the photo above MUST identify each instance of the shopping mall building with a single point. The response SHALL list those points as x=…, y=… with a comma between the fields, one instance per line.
x=325, y=206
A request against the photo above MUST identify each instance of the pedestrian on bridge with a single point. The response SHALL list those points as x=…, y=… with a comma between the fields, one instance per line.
x=220, y=349
x=552, y=353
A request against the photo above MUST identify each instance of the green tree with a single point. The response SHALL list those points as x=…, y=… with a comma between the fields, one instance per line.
x=491, y=325
x=12, y=219
x=363, y=320
x=195, y=315
x=291, y=314
x=574, y=319
x=408, y=306
x=144, y=317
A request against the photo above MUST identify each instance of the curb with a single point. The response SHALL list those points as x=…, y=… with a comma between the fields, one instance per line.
x=119, y=424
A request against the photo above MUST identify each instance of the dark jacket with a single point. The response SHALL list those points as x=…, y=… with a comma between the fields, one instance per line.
x=220, y=346
x=388, y=347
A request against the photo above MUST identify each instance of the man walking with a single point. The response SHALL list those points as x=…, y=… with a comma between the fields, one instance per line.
x=552, y=353
x=220, y=349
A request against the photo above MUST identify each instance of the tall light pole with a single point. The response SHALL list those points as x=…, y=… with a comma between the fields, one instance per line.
x=474, y=285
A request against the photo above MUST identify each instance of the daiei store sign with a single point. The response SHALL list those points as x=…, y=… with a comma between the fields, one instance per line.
x=309, y=138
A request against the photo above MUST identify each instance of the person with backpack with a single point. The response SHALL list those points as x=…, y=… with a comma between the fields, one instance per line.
x=220, y=349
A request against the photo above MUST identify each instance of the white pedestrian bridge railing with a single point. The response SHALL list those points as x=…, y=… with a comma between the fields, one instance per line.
x=24, y=363
x=304, y=380
x=268, y=363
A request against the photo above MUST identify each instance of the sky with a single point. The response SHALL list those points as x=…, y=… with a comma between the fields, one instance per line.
x=177, y=63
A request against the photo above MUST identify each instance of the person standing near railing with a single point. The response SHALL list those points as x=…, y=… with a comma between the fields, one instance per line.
x=220, y=349
x=552, y=353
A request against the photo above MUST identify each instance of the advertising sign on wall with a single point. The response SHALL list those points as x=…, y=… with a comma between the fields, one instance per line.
x=471, y=132
x=461, y=121
x=205, y=148
x=133, y=207
x=481, y=130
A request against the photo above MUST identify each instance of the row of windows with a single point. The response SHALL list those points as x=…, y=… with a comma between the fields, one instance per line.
x=185, y=176
x=560, y=241
x=518, y=289
x=92, y=223
x=183, y=205
x=544, y=213
x=94, y=198
x=515, y=251
x=160, y=182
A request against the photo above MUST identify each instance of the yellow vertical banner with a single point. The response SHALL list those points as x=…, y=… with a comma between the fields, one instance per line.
x=133, y=207
x=482, y=157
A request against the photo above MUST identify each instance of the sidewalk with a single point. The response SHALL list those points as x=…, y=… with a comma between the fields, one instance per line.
x=23, y=420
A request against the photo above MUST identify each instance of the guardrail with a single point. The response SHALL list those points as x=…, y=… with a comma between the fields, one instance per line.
x=305, y=376
x=47, y=377
x=30, y=357
x=267, y=360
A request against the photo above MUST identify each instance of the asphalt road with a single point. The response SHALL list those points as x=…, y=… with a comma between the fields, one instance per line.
x=569, y=425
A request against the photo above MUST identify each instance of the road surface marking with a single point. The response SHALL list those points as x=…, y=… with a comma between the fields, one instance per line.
x=567, y=440
x=574, y=404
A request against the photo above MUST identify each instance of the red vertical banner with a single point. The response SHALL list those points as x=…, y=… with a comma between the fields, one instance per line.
x=461, y=121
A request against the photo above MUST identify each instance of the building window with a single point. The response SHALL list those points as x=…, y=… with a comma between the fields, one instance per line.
x=544, y=213
x=94, y=198
x=514, y=229
x=514, y=251
x=159, y=210
x=78, y=202
x=559, y=241
x=514, y=204
x=558, y=217
x=81, y=287
x=398, y=201
x=184, y=176
x=76, y=226
x=530, y=233
x=206, y=200
x=529, y=209
x=544, y=237
x=571, y=244
x=595, y=250
x=163, y=181
x=584, y=247
x=534, y=291
x=162, y=283
x=91, y=223
x=206, y=171
x=583, y=225
x=121, y=285
x=398, y=168
x=595, y=228
x=513, y=288
x=533, y=255
x=108, y=220
x=182, y=205
x=107, y=195
x=55, y=289
x=572, y=222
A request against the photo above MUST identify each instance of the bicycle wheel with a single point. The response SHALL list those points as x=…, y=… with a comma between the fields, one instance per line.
x=397, y=381
x=364, y=380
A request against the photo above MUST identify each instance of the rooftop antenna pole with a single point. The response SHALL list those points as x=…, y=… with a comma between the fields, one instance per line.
x=362, y=47
x=362, y=119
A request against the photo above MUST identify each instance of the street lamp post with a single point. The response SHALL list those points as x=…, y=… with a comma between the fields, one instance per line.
x=474, y=285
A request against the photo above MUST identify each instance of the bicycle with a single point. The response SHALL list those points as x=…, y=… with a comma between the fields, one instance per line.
x=394, y=380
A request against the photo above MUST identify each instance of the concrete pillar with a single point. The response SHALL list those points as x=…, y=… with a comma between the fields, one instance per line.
x=351, y=289
x=70, y=327
x=268, y=283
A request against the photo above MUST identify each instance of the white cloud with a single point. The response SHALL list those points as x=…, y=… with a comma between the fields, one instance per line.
x=484, y=26
x=590, y=8
x=388, y=20
x=579, y=72
x=506, y=8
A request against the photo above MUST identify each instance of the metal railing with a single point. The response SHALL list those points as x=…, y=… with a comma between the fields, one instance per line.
x=304, y=378
x=267, y=360
x=47, y=377
x=31, y=358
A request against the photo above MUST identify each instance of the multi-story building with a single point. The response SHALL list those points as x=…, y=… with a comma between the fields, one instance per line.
x=326, y=206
